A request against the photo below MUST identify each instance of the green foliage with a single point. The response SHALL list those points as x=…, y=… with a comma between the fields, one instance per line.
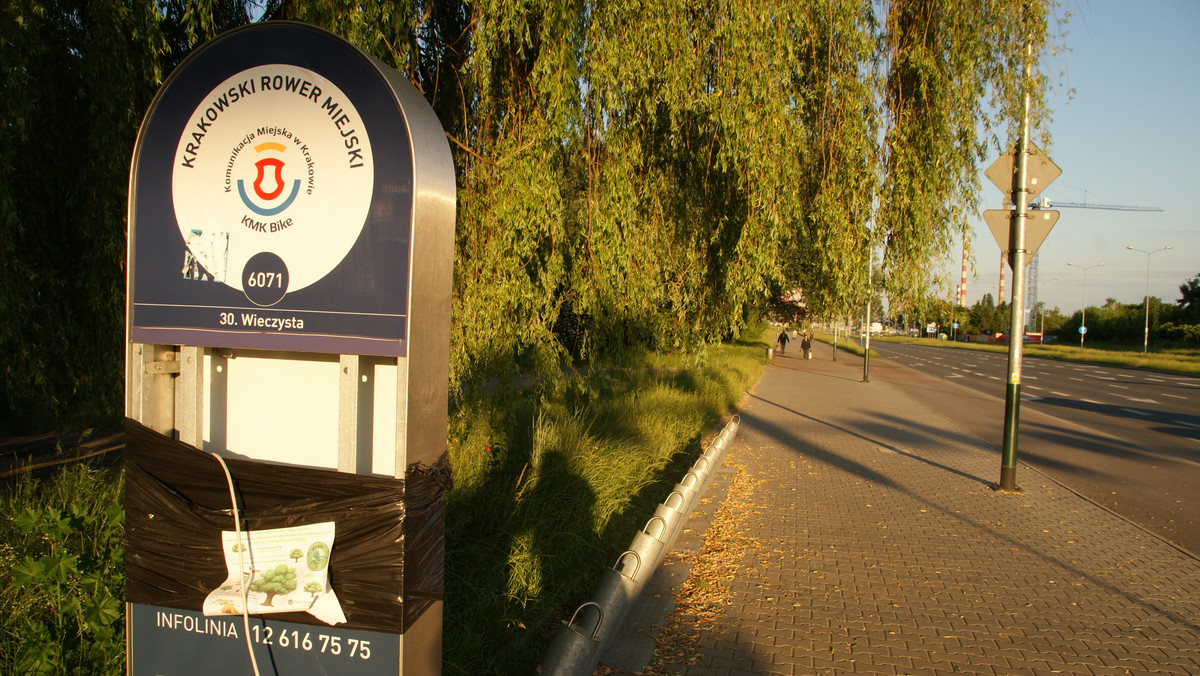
x=77, y=78
x=1180, y=333
x=1189, y=299
x=1119, y=323
x=986, y=317
x=274, y=581
x=62, y=574
x=549, y=489
x=1050, y=320
x=944, y=59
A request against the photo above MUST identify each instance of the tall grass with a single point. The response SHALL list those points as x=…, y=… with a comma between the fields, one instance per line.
x=62, y=573
x=548, y=492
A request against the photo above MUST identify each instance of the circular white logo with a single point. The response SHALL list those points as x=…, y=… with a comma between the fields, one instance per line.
x=272, y=183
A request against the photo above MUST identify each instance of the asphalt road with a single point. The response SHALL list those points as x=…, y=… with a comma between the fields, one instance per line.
x=1126, y=438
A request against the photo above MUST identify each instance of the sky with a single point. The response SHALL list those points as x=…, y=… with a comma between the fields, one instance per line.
x=1129, y=136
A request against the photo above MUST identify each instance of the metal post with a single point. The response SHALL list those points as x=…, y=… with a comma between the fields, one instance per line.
x=1016, y=333
x=1146, y=335
x=867, y=322
x=1083, y=315
x=1083, y=311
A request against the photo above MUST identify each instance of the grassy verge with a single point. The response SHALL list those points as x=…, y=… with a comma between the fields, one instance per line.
x=845, y=343
x=62, y=573
x=1175, y=360
x=548, y=493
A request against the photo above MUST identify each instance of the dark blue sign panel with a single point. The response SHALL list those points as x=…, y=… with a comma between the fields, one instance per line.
x=172, y=642
x=271, y=200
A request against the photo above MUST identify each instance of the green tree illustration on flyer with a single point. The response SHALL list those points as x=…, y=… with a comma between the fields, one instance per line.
x=275, y=571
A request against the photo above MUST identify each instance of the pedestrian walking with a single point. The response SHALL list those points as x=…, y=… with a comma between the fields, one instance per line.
x=782, y=341
x=806, y=345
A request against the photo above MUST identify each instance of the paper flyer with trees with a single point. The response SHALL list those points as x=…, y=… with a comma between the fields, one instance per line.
x=281, y=570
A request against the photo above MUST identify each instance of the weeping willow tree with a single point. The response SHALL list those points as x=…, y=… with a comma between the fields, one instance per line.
x=649, y=177
x=630, y=176
x=954, y=83
x=76, y=77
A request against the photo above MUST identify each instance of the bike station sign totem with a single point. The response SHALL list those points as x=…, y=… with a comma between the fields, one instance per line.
x=291, y=234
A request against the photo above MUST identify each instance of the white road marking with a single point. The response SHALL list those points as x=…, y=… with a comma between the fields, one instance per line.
x=1185, y=423
x=1141, y=401
x=1134, y=411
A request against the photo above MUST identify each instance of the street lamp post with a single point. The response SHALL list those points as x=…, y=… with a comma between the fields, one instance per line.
x=1146, y=335
x=1042, y=327
x=1083, y=320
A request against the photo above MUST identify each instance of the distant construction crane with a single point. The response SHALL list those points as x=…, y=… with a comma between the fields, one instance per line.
x=1045, y=203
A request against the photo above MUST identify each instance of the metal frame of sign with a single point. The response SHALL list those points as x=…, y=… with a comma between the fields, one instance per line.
x=291, y=236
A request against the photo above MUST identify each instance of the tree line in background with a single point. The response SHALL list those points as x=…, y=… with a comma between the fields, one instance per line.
x=631, y=176
x=1175, y=323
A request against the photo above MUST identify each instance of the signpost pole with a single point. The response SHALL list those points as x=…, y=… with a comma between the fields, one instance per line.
x=1016, y=334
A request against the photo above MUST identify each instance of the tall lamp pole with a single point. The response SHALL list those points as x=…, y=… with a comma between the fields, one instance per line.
x=1042, y=327
x=867, y=319
x=1146, y=336
x=1083, y=321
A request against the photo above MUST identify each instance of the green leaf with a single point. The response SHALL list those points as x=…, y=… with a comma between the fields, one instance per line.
x=59, y=566
x=39, y=652
x=28, y=572
x=28, y=520
x=115, y=514
x=102, y=609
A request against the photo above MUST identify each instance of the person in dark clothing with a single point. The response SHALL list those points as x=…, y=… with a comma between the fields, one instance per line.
x=782, y=341
x=806, y=345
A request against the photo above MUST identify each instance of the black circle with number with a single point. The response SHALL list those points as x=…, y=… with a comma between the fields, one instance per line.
x=265, y=279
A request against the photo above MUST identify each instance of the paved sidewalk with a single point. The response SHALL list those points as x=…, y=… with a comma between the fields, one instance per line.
x=883, y=550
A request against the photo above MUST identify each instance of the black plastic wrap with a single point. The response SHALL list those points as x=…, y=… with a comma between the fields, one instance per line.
x=386, y=562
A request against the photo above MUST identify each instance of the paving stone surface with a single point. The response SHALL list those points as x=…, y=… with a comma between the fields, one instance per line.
x=884, y=550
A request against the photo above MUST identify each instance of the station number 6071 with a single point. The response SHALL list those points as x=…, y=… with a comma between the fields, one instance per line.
x=265, y=280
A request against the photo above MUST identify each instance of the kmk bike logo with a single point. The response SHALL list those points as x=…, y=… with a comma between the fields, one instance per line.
x=269, y=189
